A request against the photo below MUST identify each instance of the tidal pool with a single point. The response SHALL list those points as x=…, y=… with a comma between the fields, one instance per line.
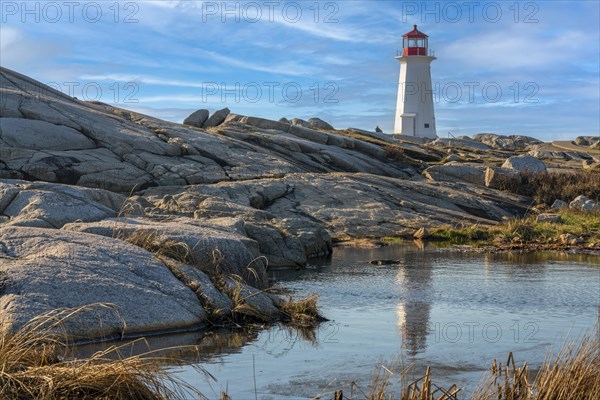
x=453, y=311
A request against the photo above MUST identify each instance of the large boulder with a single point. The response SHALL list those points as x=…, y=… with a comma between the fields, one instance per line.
x=501, y=178
x=319, y=124
x=455, y=172
x=300, y=122
x=197, y=118
x=46, y=269
x=586, y=140
x=525, y=164
x=217, y=118
x=559, y=204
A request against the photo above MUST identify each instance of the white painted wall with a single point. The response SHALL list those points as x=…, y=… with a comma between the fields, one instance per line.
x=415, y=100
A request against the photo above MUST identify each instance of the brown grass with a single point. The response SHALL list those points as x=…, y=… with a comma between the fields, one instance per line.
x=34, y=364
x=384, y=379
x=545, y=188
x=573, y=373
x=242, y=311
x=303, y=312
x=151, y=240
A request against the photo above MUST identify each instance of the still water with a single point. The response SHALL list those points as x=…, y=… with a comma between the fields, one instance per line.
x=452, y=311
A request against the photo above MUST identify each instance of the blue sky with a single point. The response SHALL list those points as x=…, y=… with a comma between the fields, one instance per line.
x=334, y=60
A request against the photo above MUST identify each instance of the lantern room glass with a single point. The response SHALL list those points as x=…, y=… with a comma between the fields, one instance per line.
x=412, y=42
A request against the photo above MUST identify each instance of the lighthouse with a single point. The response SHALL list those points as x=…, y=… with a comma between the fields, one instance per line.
x=414, y=109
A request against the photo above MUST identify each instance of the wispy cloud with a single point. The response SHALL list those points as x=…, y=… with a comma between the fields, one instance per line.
x=286, y=68
x=18, y=49
x=150, y=80
x=501, y=50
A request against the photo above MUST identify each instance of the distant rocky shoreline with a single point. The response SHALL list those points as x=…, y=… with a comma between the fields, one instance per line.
x=176, y=225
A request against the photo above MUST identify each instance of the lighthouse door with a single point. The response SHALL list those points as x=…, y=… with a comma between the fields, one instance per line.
x=409, y=122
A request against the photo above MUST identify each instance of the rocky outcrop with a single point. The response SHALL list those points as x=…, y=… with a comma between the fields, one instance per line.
x=559, y=204
x=374, y=135
x=584, y=203
x=456, y=172
x=48, y=269
x=122, y=290
x=217, y=118
x=347, y=205
x=95, y=145
x=319, y=124
x=48, y=205
x=525, y=164
x=257, y=122
x=197, y=118
x=460, y=143
x=500, y=142
x=550, y=152
x=213, y=250
x=586, y=140
x=300, y=122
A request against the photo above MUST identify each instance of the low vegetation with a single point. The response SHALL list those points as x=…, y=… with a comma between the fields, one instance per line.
x=573, y=373
x=303, y=312
x=152, y=241
x=527, y=232
x=546, y=188
x=34, y=364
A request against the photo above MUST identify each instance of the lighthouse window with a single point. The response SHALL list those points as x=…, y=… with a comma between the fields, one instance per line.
x=426, y=125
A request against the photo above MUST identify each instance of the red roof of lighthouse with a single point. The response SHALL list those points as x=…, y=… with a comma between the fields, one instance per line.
x=415, y=33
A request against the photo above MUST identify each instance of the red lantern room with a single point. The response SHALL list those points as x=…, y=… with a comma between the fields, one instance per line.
x=414, y=43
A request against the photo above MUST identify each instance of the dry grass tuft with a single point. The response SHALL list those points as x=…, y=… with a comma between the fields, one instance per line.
x=33, y=365
x=382, y=385
x=574, y=373
x=151, y=241
x=303, y=312
x=241, y=310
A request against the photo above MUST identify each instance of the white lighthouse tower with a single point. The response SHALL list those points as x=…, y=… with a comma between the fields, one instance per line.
x=414, y=109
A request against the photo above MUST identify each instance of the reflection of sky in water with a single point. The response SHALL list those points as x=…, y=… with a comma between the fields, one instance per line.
x=455, y=312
